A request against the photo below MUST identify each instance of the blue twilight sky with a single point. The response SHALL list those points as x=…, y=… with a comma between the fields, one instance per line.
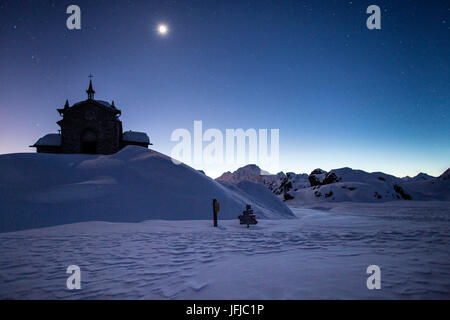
x=340, y=94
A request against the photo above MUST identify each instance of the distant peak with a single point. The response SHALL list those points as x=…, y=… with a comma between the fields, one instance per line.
x=445, y=175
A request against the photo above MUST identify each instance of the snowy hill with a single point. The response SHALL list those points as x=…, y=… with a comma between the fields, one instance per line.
x=445, y=175
x=132, y=185
x=347, y=184
x=261, y=196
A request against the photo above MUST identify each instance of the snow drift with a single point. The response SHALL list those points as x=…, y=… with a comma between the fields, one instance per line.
x=133, y=185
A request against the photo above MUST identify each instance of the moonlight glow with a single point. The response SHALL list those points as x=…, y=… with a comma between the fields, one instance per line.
x=162, y=29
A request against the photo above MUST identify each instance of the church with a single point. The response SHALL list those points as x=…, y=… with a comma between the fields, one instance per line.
x=90, y=126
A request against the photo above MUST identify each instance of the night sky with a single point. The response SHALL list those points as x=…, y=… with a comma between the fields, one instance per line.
x=341, y=95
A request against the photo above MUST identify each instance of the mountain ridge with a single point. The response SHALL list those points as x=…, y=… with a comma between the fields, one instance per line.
x=345, y=184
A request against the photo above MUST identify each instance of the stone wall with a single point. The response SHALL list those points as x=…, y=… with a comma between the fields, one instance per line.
x=89, y=117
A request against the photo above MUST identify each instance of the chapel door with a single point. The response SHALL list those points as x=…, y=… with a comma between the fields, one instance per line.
x=89, y=142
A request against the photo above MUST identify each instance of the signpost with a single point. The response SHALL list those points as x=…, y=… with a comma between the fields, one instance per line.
x=216, y=208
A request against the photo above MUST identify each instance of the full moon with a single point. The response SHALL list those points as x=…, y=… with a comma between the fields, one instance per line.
x=162, y=29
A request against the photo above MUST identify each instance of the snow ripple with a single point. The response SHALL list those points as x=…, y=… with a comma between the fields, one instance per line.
x=171, y=259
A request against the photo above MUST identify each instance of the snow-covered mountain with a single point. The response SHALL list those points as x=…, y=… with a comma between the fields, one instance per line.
x=420, y=177
x=132, y=185
x=279, y=183
x=347, y=184
x=289, y=182
x=249, y=172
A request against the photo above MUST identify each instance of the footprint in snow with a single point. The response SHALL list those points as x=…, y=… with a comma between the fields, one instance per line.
x=197, y=286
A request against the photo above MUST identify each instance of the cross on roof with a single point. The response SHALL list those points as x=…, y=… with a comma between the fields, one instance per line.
x=90, y=91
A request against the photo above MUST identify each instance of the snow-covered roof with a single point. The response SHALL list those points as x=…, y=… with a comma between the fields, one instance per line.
x=105, y=103
x=51, y=139
x=101, y=102
x=134, y=136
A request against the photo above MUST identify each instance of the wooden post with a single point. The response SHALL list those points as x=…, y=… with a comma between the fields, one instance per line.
x=216, y=208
